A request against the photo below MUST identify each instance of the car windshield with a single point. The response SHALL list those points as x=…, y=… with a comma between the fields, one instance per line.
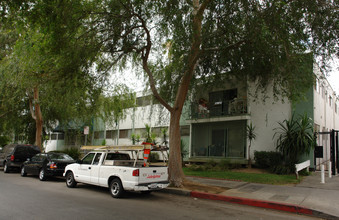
x=59, y=157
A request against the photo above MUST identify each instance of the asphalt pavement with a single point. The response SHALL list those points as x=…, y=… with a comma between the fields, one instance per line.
x=30, y=199
x=310, y=197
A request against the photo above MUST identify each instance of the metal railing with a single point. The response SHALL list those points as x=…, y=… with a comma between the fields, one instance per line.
x=219, y=109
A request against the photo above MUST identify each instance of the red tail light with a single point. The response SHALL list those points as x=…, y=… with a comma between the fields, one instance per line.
x=52, y=165
x=12, y=157
x=135, y=172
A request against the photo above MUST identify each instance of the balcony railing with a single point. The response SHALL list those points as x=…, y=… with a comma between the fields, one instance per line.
x=219, y=109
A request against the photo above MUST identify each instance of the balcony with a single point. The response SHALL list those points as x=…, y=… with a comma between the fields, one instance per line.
x=235, y=107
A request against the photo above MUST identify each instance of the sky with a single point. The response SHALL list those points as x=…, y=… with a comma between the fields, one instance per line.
x=333, y=76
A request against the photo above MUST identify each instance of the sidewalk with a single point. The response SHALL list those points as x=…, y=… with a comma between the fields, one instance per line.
x=310, y=197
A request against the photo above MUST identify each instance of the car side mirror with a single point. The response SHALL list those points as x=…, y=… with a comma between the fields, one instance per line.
x=79, y=161
x=28, y=159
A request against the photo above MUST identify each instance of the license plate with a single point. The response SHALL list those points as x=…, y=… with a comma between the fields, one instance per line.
x=153, y=186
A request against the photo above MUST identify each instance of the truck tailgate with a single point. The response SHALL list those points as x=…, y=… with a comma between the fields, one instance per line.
x=153, y=175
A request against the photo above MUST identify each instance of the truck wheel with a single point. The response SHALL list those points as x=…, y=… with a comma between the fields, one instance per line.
x=42, y=175
x=6, y=168
x=22, y=171
x=70, y=181
x=116, y=189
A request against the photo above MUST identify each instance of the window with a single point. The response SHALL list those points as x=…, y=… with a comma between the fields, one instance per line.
x=35, y=158
x=96, y=134
x=42, y=157
x=316, y=128
x=185, y=130
x=330, y=100
x=61, y=136
x=117, y=156
x=316, y=86
x=336, y=108
x=124, y=133
x=57, y=156
x=97, y=159
x=54, y=137
x=88, y=158
x=109, y=134
x=219, y=101
x=144, y=101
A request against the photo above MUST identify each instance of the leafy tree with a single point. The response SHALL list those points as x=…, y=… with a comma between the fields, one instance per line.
x=213, y=41
x=179, y=43
x=54, y=77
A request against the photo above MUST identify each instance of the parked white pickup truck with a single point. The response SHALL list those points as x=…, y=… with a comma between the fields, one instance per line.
x=119, y=169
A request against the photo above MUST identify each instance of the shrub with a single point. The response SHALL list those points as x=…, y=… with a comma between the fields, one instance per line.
x=283, y=169
x=211, y=163
x=195, y=167
x=274, y=162
x=267, y=159
x=73, y=152
x=224, y=165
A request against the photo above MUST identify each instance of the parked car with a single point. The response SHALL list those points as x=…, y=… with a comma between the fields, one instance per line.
x=117, y=171
x=46, y=164
x=14, y=155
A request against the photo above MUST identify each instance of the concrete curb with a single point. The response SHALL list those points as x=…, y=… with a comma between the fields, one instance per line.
x=251, y=202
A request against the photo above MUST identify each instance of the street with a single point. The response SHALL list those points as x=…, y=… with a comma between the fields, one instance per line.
x=28, y=198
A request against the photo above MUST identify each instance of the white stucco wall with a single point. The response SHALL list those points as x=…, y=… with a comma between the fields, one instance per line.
x=265, y=117
x=325, y=115
x=153, y=115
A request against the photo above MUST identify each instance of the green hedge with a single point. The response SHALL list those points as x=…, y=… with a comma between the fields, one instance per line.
x=273, y=161
x=267, y=159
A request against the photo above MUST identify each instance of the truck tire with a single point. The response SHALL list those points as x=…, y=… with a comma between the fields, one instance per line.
x=70, y=181
x=116, y=189
x=6, y=168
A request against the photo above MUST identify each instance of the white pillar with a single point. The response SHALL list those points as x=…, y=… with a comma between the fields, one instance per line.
x=329, y=169
x=322, y=168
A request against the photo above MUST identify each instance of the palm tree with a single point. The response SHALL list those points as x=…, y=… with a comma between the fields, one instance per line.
x=251, y=135
x=295, y=138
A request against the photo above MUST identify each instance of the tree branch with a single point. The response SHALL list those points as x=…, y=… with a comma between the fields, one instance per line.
x=3, y=114
x=194, y=53
x=145, y=52
x=229, y=47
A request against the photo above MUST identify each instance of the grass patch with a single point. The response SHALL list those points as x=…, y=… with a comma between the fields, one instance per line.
x=266, y=178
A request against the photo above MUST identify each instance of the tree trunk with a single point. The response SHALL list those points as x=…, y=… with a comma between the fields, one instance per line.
x=176, y=175
x=37, y=116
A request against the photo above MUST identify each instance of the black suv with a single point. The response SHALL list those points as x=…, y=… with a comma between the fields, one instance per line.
x=13, y=155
